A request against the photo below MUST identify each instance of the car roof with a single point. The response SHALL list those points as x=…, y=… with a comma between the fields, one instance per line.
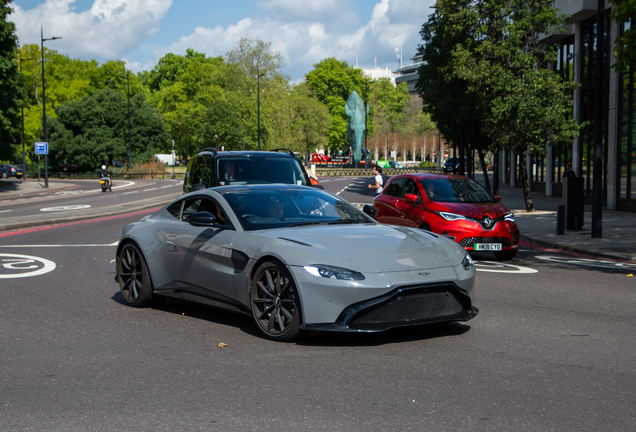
x=431, y=176
x=248, y=153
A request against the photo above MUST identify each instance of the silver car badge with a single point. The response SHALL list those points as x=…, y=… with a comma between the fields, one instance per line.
x=424, y=273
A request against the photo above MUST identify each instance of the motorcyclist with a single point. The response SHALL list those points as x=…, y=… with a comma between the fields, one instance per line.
x=105, y=173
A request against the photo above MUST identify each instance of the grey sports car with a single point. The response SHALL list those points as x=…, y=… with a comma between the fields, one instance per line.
x=295, y=258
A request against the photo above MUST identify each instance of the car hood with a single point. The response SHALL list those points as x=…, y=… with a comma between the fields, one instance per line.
x=494, y=210
x=365, y=247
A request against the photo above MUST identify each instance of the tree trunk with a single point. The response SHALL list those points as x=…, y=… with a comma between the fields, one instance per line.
x=480, y=151
x=526, y=183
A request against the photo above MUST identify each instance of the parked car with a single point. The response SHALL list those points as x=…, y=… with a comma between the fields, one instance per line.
x=210, y=168
x=7, y=171
x=296, y=259
x=452, y=205
x=452, y=164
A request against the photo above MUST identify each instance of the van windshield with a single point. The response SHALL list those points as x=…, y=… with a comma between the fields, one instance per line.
x=259, y=170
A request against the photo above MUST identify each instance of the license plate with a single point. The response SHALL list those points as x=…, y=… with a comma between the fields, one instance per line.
x=102, y=182
x=487, y=246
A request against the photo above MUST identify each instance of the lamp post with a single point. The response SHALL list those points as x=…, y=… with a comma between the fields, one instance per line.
x=24, y=176
x=597, y=166
x=258, y=104
x=439, y=149
x=129, y=145
x=46, y=156
x=307, y=159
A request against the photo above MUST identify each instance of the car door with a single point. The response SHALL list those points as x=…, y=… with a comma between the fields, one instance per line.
x=407, y=212
x=387, y=202
x=199, y=259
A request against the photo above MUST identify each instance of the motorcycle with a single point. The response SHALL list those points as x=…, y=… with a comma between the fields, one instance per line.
x=105, y=183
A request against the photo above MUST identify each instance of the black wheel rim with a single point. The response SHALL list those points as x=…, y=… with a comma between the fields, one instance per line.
x=274, y=301
x=131, y=273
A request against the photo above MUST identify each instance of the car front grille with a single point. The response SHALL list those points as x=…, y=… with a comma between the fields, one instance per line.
x=416, y=305
x=470, y=241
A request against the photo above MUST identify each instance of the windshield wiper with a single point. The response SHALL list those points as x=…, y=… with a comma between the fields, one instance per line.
x=345, y=221
x=308, y=223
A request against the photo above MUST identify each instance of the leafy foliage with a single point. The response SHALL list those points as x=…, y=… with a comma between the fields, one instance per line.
x=95, y=129
x=624, y=11
x=11, y=82
x=493, y=48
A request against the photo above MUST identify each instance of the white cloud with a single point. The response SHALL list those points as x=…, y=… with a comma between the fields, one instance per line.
x=109, y=29
x=304, y=38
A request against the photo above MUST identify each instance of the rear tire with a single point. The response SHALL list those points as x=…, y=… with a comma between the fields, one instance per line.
x=505, y=255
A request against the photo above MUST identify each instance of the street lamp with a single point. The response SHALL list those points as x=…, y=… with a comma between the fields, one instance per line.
x=129, y=146
x=307, y=159
x=46, y=156
x=439, y=149
x=258, y=103
x=24, y=176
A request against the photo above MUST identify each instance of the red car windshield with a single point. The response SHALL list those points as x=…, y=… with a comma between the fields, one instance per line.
x=456, y=190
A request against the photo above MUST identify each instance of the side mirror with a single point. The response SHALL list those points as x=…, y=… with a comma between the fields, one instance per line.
x=201, y=219
x=197, y=187
x=497, y=197
x=370, y=211
x=410, y=197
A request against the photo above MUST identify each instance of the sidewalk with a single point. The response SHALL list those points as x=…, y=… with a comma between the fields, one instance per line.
x=12, y=188
x=618, y=228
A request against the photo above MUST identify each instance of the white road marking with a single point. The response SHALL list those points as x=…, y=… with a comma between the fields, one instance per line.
x=65, y=208
x=589, y=262
x=5, y=211
x=166, y=186
x=56, y=245
x=497, y=267
x=126, y=193
x=19, y=263
x=146, y=190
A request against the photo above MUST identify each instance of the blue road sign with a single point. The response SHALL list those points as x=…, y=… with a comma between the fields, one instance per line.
x=41, y=148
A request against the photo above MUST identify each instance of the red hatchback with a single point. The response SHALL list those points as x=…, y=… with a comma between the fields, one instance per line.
x=452, y=205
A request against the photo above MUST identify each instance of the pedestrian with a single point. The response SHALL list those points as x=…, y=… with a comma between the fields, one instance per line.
x=379, y=181
x=568, y=171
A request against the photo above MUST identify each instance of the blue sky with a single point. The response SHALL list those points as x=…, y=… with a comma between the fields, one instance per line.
x=140, y=32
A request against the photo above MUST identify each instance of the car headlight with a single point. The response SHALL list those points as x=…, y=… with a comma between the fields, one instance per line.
x=510, y=217
x=331, y=271
x=468, y=263
x=453, y=216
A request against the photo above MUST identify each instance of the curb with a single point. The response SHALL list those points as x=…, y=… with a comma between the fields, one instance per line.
x=613, y=256
x=82, y=217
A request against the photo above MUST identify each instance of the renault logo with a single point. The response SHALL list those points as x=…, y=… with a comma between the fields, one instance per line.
x=488, y=222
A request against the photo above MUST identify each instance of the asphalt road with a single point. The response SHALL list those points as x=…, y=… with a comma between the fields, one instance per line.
x=552, y=349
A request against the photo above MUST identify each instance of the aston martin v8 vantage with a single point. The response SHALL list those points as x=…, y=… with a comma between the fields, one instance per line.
x=296, y=259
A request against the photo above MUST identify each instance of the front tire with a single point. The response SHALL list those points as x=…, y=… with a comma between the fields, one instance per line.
x=505, y=255
x=275, y=303
x=134, y=279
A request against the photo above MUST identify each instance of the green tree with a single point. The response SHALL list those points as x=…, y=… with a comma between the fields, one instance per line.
x=95, y=129
x=624, y=11
x=456, y=112
x=11, y=84
x=334, y=81
x=504, y=65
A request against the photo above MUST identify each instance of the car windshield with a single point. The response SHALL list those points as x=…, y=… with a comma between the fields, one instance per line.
x=456, y=190
x=277, y=208
x=259, y=170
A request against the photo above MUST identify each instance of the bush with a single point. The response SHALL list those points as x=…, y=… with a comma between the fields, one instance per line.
x=428, y=164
